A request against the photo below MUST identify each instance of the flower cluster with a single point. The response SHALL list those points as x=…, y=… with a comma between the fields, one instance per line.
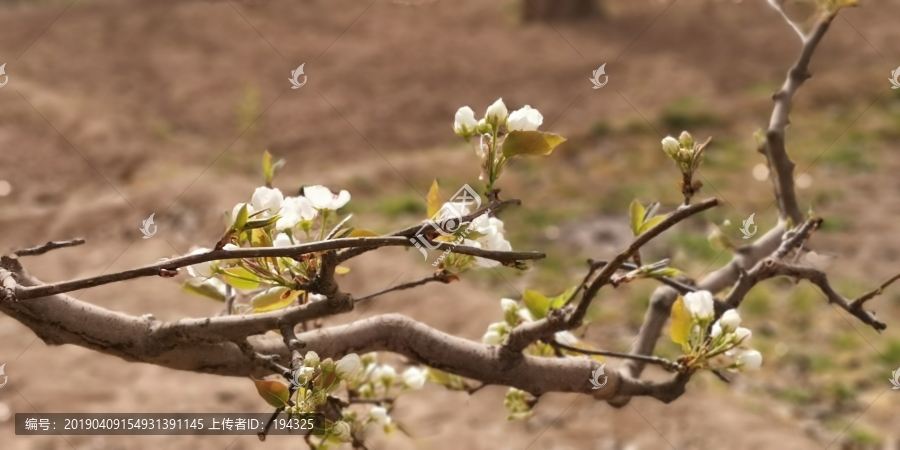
x=499, y=123
x=269, y=220
x=704, y=339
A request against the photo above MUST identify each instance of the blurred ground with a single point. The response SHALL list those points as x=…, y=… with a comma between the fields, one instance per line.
x=122, y=109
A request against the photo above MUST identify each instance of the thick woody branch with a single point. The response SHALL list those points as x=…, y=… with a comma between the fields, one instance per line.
x=59, y=319
x=24, y=293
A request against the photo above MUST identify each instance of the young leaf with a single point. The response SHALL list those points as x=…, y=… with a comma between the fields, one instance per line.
x=681, y=323
x=241, y=220
x=241, y=278
x=261, y=223
x=259, y=238
x=202, y=286
x=530, y=143
x=267, y=168
x=636, y=210
x=560, y=300
x=341, y=270
x=537, y=304
x=652, y=222
x=434, y=199
x=273, y=299
x=273, y=392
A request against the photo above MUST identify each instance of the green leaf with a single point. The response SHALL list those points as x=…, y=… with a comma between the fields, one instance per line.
x=654, y=221
x=530, y=143
x=667, y=272
x=537, y=304
x=636, y=211
x=273, y=392
x=202, y=286
x=267, y=167
x=448, y=380
x=241, y=220
x=273, y=299
x=560, y=300
x=241, y=278
x=341, y=270
x=681, y=323
x=261, y=223
x=360, y=232
x=434, y=199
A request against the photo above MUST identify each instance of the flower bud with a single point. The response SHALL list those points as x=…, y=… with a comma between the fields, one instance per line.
x=414, y=378
x=379, y=415
x=349, y=366
x=670, y=146
x=508, y=304
x=730, y=320
x=686, y=140
x=483, y=127
x=699, y=304
x=716, y=330
x=492, y=338
x=464, y=123
x=311, y=359
x=525, y=119
x=341, y=431
x=496, y=114
x=742, y=334
x=749, y=360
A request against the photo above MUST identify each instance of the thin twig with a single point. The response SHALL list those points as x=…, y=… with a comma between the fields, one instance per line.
x=871, y=294
x=674, y=284
x=438, y=276
x=671, y=366
x=51, y=245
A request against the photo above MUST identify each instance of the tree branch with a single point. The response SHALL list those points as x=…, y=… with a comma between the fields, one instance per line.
x=51, y=245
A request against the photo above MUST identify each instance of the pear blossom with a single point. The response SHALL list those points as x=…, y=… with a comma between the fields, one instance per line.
x=465, y=123
x=379, y=415
x=267, y=200
x=293, y=211
x=385, y=374
x=492, y=338
x=749, y=360
x=202, y=269
x=237, y=209
x=525, y=119
x=341, y=430
x=525, y=315
x=349, y=366
x=730, y=320
x=496, y=113
x=716, y=330
x=317, y=297
x=322, y=198
x=699, y=304
x=671, y=146
x=742, y=334
x=566, y=337
x=414, y=378
x=508, y=304
x=311, y=358
x=282, y=240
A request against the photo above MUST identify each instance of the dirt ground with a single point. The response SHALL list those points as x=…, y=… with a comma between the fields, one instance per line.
x=118, y=109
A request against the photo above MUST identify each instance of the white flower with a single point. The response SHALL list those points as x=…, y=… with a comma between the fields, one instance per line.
x=464, y=124
x=414, y=378
x=294, y=210
x=716, y=330
x=699, y=304
x=749, y=360
x=349, y=366
x=303, y=375
x=525, y=119
x=317, y=297
x=282, y=240
x=203, y=269
x=385, y=374
x=492, y=338
x=311, y=359
x=742, y=334
x=508, y=304
x=379, y=415
x=730, y=320
x=267, y=199
x=496, y=114
x=525, y=315
x=341, y=431
x=566, y=337
x=322, y=198
x=670, y=145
